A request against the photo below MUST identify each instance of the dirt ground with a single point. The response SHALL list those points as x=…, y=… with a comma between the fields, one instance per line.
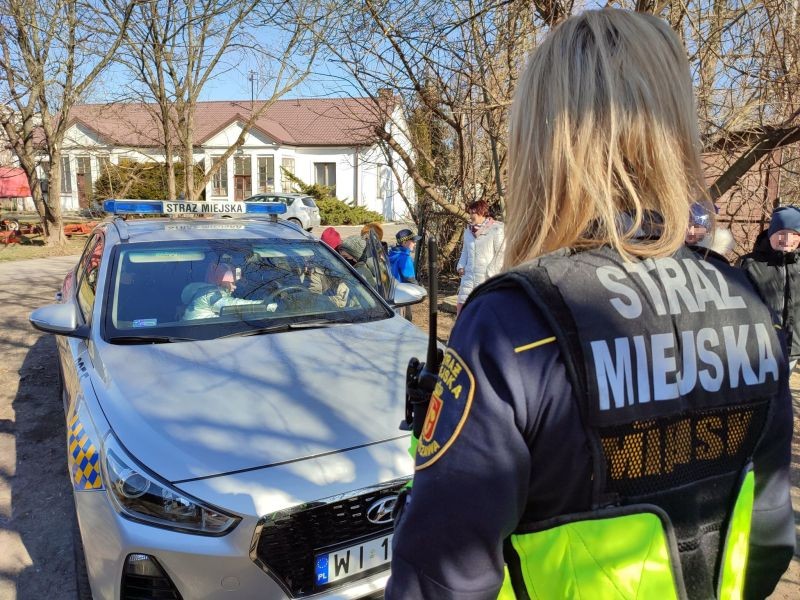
x=36, y=514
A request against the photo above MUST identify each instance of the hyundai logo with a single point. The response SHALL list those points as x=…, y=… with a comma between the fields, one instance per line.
x=380, y=511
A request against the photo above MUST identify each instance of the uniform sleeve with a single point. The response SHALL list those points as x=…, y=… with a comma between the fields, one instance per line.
x=472, y=477
x=772, y=532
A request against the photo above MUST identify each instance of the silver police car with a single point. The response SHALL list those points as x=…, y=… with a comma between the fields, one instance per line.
x=232, y=391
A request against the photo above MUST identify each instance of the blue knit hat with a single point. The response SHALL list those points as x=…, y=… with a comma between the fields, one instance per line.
x=785, y=217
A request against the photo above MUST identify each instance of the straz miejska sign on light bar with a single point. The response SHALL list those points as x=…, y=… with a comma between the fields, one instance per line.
x=175, y=208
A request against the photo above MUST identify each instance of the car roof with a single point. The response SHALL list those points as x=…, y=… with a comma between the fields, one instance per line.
x=172, y=229
x=292, y=194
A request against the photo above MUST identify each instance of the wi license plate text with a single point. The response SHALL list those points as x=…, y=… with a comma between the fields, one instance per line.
x=348, y=562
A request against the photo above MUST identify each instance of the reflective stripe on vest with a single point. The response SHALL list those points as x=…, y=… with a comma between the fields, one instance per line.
x=737, y=542
x=621, y=557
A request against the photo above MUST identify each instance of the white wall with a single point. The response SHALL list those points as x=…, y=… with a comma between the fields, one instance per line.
x=361, y=172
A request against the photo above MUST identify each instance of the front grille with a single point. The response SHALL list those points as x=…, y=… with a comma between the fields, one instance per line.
x=285, y=542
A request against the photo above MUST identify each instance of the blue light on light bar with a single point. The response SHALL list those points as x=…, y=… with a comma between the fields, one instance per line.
x=133, y=207
x=265, y=208
x=183, y=207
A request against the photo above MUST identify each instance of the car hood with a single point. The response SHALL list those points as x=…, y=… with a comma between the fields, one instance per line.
x=198, y=409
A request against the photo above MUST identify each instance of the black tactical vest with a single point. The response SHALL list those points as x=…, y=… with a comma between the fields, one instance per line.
x=674, y=363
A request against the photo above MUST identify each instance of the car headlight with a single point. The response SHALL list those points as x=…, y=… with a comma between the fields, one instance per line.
x=142, y=496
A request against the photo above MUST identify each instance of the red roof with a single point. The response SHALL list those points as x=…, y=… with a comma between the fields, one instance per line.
x=300, y=122
x=13, y=183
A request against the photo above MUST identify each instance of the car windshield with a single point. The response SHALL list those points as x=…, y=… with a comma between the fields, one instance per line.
x=168, y=291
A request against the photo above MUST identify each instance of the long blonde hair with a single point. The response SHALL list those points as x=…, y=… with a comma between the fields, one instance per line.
x=603, y=123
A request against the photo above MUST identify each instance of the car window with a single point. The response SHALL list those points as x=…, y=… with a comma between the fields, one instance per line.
x=287, y=200
x=87, y=275
x=309, y=201
x=378, y=263
x=206, y=289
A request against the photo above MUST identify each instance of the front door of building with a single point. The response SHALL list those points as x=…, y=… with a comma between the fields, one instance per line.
x=83, y=178
x=242, y=184
x=242, y=179
x=83, y=200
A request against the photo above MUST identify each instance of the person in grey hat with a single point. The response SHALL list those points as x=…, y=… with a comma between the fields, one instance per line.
x=774, y=269
x=354, y=250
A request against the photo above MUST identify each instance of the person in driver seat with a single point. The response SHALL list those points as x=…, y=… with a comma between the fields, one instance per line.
x=209, y=299
x=333, y=288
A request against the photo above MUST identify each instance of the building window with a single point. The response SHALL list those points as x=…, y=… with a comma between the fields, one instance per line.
x=219, y=182
x=266, y=173
x=83, y=166
x=66, y=176
x=287, y=164
x=103, y=165
x=242, y=165
x=325, y=174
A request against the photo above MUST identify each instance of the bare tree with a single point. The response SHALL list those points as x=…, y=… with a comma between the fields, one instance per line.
x=455, y=66
x=52, y=52
x=457, y=63
x=744, y=59
x=176, y=47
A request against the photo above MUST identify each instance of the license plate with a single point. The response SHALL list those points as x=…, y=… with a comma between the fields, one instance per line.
x=353, y=560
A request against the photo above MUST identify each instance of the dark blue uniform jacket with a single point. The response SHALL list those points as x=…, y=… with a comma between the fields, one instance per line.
x=521, y=450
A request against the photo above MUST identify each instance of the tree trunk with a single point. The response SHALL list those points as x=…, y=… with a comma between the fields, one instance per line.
x=188, y=153
x=53, y=219
x=413, y=172
x=755, y=153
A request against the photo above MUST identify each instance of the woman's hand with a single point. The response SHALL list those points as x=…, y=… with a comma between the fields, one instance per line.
x=461, y=271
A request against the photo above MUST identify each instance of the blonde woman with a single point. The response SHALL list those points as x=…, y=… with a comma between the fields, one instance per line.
x=612, y=417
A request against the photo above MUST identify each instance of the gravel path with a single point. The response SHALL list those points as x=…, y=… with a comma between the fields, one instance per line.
x=36, y=514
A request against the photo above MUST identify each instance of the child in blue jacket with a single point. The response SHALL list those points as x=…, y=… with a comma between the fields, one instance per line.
x=400, y=259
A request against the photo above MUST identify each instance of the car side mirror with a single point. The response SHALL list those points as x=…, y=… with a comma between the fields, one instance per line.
x=59, y=319
x=406, y=294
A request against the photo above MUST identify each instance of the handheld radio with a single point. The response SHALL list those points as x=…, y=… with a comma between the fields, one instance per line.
x=421, y=377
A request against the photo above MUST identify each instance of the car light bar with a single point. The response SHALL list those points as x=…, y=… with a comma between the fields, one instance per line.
x=124, y=206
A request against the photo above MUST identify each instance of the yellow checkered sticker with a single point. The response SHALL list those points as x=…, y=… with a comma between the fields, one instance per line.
x=83, y=457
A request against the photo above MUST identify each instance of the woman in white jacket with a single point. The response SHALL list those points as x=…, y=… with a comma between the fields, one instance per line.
x=482, y=253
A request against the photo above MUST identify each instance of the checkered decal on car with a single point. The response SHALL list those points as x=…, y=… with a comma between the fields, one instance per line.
x=83, y=458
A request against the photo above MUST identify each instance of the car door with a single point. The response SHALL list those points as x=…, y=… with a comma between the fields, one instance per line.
x=82, y=293
x=378, y=263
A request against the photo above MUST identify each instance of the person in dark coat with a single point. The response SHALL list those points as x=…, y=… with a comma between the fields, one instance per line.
x=774, y=269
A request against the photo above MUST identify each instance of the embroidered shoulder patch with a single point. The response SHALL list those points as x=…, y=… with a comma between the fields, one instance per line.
x=448, y=409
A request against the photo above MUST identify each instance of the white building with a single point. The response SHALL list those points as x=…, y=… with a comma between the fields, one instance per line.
x=331, y=141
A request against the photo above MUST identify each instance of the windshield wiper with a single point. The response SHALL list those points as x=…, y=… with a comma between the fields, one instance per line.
x=148, y=339
x=283, y=327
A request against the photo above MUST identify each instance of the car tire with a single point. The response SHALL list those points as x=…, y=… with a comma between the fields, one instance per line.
x=82, y=585
x=295, y=222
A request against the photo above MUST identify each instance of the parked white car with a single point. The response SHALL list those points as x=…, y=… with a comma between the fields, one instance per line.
x=300, y=208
